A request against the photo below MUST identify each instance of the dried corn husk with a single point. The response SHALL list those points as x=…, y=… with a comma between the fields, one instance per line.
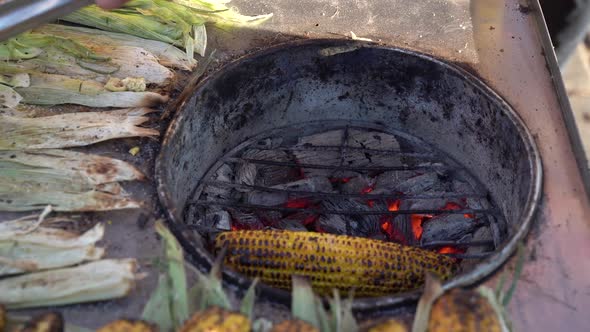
x=8, y=97
x=166, y=54
x=94, y=281
x=49, y=89
x=67, y=180
x=72, y=129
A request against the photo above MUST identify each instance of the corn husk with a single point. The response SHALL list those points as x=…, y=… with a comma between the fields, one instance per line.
x=177, y=23
x=48, y=248
x=95, y=281
x=168, y=305
x=125, y=61
x=19, y=80
x=66, y=180
x=166, y=55
x=222, y=15
x=72, y=129
x=50, y=89
x=8, y=97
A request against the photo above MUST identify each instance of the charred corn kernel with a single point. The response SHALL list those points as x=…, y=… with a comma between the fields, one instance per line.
x=294, y=325
x=123, y=325
x=330, y=261
x=49, y=322
x=218, y=320
x=463, y=311
x=390, y=325
x=2, y=318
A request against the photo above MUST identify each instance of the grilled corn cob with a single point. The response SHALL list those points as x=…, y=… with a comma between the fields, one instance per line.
x=462, y=310
x=294, y=325
x=49, y=322
x=218, y=320
x=330, y=261
x=390, y=325
x=123, y=325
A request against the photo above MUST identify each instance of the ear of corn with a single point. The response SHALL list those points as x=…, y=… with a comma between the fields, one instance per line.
x=124, y=325
x=46, y=248
x=72, y=129
x=463, y=311
x=217, y=319
x=66, y=180
x=95, y=281
x=390, y=325
x=166, y=54
x=294, y=325
x=370, y=267
x=48, y=322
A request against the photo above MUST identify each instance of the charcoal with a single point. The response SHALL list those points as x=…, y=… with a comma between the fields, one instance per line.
x=246, y=174
x=290, y=225
x=335, y=224
x=314, y=184
x=223, y=174
x=392, y=179
x=372, y=140
x=357, y=158
x=357, y=185
x=318, y=157
x=367, y=224
x=215, y=220
x=245, y=220
x=266, y=198
x=420, y=184
x=269, y=175
x=448, y=227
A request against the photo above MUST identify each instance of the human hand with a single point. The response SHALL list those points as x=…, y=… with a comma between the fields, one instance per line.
x=110, y=4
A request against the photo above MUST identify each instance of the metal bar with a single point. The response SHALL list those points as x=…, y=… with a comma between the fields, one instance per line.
x=456, y=244
x=343, y=168
x=216, y=183
x=351, y=148
x=471, y=256
x=352, y=213
x=18, y=16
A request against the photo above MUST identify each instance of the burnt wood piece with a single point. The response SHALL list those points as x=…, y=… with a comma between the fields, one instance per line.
x=449, y=227
x=315, y=184
x=270, y=175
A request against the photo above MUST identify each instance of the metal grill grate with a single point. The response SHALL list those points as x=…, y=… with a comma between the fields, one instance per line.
x=415, y=156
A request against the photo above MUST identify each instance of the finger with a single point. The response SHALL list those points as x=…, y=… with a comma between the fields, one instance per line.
x=110, y=4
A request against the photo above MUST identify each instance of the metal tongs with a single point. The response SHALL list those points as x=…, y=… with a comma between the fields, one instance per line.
x=18, y=16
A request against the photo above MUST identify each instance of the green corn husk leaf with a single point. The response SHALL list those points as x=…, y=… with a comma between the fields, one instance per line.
x=19, y=80
x=222, y=15
x=208, y=291
x=129, y=22
x=67, y=180
x=72, y=129
x=95, y=281
x=166, y=55
x=303, y=302
x=325, y=321
x=200, y=33
x=432, y=291
x=175, y=275
x=341, y=311
x=9, y=98
x=157, y=310
x=249, y=300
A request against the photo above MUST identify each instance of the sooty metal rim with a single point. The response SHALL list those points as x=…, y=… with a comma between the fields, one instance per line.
x=203, y=259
